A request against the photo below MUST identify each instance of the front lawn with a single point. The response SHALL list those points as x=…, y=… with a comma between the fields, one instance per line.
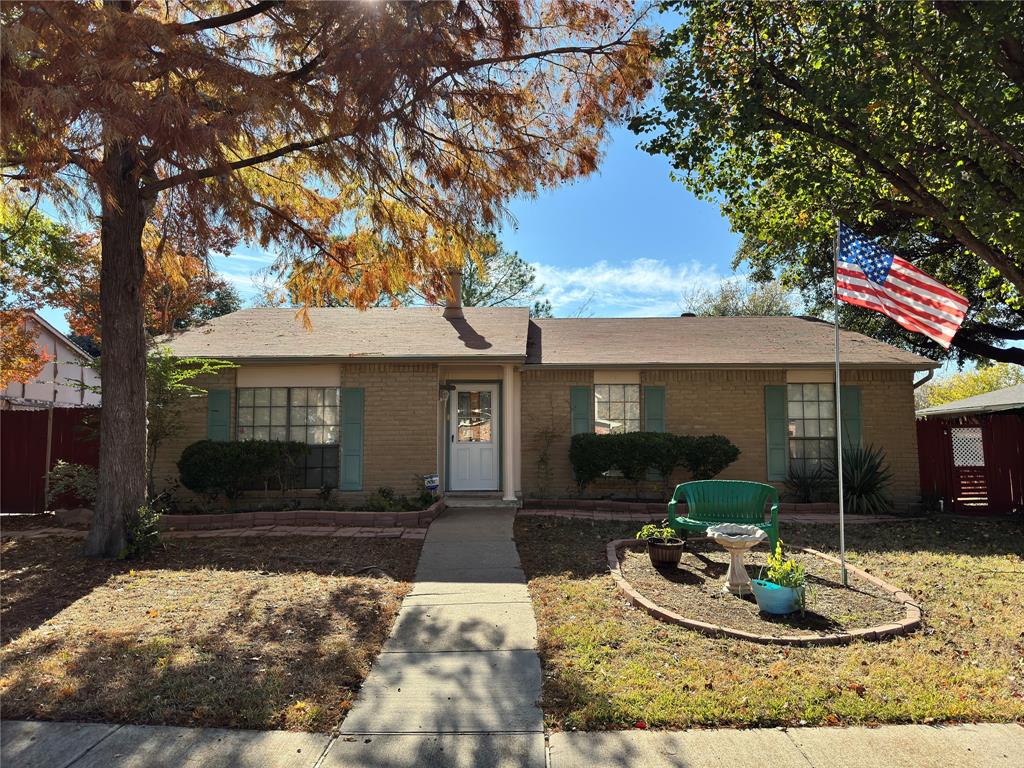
x=237, y=632
x=608, y=665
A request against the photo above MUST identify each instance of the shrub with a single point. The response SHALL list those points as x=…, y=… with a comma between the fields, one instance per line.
x=590, y=457
x=866, y=479
x=213, y=468
x=385, y=499
x=707, y=455
x=75, y=479
x=635, y=454
x=660, y=532
x=142, y=532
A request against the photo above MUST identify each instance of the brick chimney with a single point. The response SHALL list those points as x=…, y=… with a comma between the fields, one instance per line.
x=453, y=302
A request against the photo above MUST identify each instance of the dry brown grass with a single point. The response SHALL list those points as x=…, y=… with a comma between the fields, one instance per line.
x=239, y=632
x=609, y=665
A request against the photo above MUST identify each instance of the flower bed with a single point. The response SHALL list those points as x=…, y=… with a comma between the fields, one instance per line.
x=690, y=595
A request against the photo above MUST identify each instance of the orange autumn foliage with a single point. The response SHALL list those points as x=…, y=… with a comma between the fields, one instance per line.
x=21, y=357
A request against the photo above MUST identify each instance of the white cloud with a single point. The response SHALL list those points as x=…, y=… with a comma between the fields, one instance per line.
x=638, y=288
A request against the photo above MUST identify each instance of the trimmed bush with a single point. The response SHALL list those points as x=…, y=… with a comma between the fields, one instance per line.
x=636, y=454
x=212, y=468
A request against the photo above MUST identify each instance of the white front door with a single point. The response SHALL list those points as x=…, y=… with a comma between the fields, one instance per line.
x=474, y=438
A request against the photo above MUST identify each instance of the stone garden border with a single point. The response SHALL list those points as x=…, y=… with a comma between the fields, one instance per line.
x=911, y=621
x=295, y=517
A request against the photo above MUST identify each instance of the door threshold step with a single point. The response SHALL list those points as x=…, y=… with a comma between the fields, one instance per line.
x=482, y=500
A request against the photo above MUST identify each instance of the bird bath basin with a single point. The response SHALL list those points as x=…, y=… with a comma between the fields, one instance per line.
x=736, y=540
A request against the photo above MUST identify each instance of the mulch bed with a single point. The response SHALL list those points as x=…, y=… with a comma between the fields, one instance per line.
x=234, y=632
x=694, y=590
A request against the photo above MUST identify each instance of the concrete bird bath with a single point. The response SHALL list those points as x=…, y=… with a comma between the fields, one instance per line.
x=736, y=540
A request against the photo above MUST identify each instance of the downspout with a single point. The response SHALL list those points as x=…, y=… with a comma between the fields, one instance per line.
x=925, y=380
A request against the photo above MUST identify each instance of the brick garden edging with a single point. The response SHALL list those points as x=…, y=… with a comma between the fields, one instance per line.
x=296, y=517
x=911, y=621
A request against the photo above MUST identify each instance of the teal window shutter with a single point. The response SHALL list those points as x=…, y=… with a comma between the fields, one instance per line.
x=581, y=409
x=352, y=439
x=218, y=415
x=849, y=402
x=776, y=432
x=654, y=409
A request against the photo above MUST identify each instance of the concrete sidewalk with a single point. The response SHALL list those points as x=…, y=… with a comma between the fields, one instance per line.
x=82, y=745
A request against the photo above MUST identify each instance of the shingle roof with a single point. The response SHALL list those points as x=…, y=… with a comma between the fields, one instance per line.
x=707, y=341
x=508, y=333
x=1007, y=399
x=379, y=333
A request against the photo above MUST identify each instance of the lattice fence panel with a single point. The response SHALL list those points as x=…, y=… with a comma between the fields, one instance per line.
x=968, y=450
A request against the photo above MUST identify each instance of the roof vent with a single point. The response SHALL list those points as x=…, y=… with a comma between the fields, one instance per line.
x=453, y=302
x=688, y=314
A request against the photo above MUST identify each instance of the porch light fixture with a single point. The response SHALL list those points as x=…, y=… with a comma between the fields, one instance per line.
x=443, y=390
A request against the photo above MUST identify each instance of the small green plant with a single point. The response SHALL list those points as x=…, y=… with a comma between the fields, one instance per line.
x=785, y=571
x=658, y=531
x=74, y=479
x=143, y=533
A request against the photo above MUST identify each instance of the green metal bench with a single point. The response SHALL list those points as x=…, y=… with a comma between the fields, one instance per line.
x=709, y=502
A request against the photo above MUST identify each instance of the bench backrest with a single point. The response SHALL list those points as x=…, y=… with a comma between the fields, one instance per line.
x=726, y=501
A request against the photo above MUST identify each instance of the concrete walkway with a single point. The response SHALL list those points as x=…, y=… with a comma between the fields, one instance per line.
x=458, y=683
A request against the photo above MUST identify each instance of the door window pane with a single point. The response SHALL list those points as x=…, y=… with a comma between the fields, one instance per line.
x=474, y=417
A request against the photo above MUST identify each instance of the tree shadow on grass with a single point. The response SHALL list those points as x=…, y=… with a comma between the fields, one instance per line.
x=293, y=665
x=41, y=577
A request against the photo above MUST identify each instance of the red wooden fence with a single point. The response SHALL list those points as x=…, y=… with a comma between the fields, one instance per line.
x=992, y=486
x=23, y=452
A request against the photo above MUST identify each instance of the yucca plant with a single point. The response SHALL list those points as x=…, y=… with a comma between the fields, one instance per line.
x=866, y=479
x=807, y=484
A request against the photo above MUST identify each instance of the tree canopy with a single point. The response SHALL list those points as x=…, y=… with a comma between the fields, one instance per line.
x=968, y=384
x=902, y=119
x=378, y=140
x=739, y=297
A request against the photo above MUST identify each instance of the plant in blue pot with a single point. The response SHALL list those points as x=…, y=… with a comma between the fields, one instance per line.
x=784, y=587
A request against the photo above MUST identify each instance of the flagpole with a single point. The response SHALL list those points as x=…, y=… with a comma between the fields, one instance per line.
x=839, y=413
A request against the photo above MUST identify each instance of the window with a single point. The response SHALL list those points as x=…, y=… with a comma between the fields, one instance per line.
x=811, y=413
x=310, y=415
x=616, y=408
x=474, y=417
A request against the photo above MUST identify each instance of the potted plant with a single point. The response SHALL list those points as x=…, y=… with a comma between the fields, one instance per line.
x=664, y=545
x=784, y=586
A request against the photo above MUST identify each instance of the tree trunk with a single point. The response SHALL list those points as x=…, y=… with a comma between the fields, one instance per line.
x=122, y=469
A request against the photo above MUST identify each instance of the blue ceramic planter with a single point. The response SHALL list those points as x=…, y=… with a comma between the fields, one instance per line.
x=771, y=598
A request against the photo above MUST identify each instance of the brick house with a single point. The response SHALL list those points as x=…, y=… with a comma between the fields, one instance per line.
x=488, y=398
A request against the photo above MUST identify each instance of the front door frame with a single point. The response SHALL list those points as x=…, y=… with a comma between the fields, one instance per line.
x=498, y=416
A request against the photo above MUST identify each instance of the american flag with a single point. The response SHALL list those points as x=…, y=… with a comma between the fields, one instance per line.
x=872, y=277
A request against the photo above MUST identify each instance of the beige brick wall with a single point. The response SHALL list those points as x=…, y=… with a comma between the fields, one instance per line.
x=887, y=421
x=545, y=424
x=729, y=403
x=400, y=425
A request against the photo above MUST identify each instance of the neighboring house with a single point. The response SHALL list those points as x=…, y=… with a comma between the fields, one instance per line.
x=42, y=421
x=488, y=398
x=64, y=379
x=972, y=452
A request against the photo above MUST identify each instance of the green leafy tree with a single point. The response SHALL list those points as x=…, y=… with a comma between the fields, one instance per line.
x=968, y=384
x=740, y=298
x=902, y=119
